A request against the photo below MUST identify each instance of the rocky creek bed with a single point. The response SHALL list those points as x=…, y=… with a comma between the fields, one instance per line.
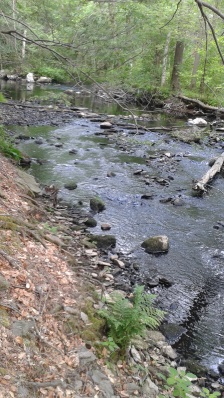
x=117, y=268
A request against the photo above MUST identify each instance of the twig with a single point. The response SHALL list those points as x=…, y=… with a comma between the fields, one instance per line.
x=45, y=300
x=45, y=384
x=43, y=339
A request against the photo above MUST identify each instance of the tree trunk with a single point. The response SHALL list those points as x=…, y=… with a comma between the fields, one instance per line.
x=165, y=59
x=24, y=44
x=178, y=58
x=195, y=70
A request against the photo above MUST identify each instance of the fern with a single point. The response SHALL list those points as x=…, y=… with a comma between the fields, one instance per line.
x=126, y=319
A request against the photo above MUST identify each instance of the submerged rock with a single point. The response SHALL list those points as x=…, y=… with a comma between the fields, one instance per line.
x=156, y=244
x=97, y=204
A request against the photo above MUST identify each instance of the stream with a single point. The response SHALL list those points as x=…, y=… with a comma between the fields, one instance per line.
x=195, y=261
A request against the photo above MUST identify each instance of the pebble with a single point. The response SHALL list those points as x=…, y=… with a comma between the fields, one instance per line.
x=119, y=263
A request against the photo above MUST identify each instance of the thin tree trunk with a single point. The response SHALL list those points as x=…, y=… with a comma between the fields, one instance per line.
x=165, y=59
x=195, y=70
x=24, y=44
x=178, y=58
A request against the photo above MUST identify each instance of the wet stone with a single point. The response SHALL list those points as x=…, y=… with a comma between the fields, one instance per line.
x=70, y=185
x=156, y=244
x=105, y=227
x=172, y=332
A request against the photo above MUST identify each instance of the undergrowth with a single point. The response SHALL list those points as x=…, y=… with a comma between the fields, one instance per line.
x=7, y=148
x=126, y=319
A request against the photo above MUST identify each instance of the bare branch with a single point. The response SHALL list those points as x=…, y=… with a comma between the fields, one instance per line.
x=167, y=23
x=214, y=9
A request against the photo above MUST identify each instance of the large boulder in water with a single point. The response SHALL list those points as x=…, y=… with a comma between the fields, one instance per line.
x=29, y=78
x=96, y=204
x=156, y=244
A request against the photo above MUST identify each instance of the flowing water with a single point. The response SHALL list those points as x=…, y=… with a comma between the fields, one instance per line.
x=195, y=261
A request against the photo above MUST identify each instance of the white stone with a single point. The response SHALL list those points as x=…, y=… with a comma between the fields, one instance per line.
x=169, y=352
x=44, y=79
x=198, y=121
x=29, y=78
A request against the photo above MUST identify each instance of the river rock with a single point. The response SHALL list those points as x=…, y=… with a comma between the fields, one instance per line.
x=156, y=244
x=103, y=241
x=105, y=227
x=111, y=174
x=70, y=185
x=12, y=77
x=91, y=222
x=105, y=125
x=29, y=78
x=44, y=79
x=97, y=204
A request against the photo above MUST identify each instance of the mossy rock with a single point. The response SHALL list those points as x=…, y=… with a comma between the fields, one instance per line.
x=156, y=244
x=97, y=204
x=70, y=185
x=103, y=241
x=91, y=222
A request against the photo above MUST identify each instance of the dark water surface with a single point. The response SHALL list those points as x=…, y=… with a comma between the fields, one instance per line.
x=195, y=261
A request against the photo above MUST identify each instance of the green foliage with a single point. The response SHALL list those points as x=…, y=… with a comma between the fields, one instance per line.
x=2, y=98
x=206, y=393
x=180, y=383
x=126, y=319
x=7, y=148
x=109, y=344
x=56, y=74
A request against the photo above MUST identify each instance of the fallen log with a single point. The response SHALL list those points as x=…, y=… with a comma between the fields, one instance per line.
x=200, y=186
x=202, y=105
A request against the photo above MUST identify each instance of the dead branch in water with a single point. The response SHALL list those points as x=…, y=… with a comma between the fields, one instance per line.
x=200, y=186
